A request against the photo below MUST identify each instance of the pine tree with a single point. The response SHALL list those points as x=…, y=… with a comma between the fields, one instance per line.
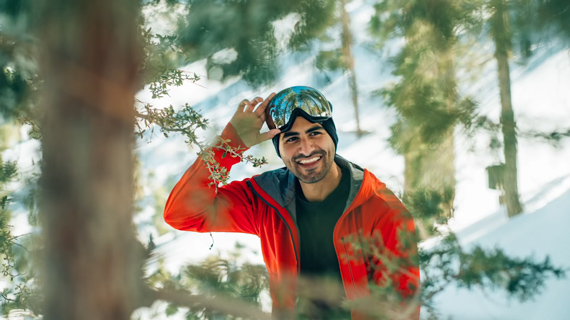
x=246, y=28
x=347, y=42
x=425, y=95
x=501, y=36
x=90, y=63
x=342, y=57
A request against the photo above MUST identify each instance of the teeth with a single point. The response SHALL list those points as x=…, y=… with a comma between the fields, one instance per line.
x=313, y=159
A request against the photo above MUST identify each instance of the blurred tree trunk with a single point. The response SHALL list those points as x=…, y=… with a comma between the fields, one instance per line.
x=90, y=66
x=502, y=38
x=432, y=169
x=430, y=165
x=349, y=62
x=444, y=158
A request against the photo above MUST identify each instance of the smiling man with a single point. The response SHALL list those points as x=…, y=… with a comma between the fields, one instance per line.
x=322, y=220
x=308, y=151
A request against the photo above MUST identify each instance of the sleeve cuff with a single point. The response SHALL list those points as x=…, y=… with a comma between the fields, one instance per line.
x=231, y=134
x=224, y=158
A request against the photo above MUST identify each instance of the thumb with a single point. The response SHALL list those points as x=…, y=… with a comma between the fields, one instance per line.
x=270, y=134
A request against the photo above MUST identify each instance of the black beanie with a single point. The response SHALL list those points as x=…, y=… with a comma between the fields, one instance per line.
x=328, y=125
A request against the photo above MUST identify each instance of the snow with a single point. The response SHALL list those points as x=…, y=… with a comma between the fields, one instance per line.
x=540, y=233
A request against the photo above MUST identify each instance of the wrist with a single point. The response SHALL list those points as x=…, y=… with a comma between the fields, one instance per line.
x=230, y=133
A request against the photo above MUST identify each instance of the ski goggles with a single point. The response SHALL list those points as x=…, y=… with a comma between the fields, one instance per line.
x=292, y=102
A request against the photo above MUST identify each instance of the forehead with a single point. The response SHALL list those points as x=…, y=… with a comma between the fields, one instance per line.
x=301, y=125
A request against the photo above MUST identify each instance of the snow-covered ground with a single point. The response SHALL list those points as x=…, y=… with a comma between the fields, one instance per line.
x=541, y=233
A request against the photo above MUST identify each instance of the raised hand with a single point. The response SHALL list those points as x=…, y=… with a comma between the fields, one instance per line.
x=248, y=121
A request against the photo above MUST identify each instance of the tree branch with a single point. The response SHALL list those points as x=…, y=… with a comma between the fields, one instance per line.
x=221, y=303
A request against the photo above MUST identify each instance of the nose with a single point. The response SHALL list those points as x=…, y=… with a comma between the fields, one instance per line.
x=306, y=147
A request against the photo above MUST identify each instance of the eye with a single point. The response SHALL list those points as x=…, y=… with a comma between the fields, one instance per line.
x=292, y=139
x=315, y=133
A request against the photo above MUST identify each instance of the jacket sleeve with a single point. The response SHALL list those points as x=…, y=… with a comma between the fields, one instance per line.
x=395, y=263
x=195, y=204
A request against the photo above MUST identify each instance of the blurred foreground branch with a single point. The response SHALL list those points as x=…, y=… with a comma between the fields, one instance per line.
x=187, y=122
x=220, y=304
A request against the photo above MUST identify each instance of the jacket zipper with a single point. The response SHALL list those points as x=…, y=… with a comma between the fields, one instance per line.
x=284, y=221
x=349, y=266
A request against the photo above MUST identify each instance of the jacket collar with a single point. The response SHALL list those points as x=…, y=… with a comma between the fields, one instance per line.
x=279, y=184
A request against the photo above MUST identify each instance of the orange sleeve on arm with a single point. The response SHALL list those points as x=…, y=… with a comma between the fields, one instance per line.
x=195, y=204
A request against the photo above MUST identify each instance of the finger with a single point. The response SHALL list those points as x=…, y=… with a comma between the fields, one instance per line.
x=261, y=108
x=242, y=104
x=252, y=104
x=269, y=134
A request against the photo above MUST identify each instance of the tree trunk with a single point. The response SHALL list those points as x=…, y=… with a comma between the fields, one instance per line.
x=349, y=62
x=502, y=39
x=90, y=66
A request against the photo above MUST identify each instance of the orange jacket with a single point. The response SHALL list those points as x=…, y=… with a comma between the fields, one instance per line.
x=367, y=237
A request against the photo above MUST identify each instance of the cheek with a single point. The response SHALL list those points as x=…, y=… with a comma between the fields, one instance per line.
x=282, y=150
x=328, y=146
x=285, y=156
x=286, y=152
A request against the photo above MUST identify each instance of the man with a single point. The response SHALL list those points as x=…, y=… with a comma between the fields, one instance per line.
x=320, y=217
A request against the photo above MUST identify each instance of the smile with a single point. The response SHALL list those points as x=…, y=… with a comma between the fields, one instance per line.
x=309, y=161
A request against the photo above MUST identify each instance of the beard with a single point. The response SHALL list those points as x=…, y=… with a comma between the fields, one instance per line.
x=313, y=174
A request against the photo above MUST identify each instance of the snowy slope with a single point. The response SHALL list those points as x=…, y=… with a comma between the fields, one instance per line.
x=541, y=233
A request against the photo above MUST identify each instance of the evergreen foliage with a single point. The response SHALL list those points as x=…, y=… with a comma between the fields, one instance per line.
x=17, y=86
x=18, y=80
x=449, y=264
x=425, y=94
x=247, y=28
x=315, y=19
x=341, y=57
x=219, y=279
x=16, y=262
x=553, y=15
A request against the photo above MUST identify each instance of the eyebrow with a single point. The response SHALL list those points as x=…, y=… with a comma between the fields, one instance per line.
x=295, y=133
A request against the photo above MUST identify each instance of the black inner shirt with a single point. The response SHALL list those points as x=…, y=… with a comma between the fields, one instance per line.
x=316, y=222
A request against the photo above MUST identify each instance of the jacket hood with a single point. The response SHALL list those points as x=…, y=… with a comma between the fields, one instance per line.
x=279, y=184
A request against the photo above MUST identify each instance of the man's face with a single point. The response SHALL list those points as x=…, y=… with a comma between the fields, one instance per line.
x=307, y=150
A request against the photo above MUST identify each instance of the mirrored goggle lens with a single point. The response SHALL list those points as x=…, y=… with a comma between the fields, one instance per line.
x=308, y=99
